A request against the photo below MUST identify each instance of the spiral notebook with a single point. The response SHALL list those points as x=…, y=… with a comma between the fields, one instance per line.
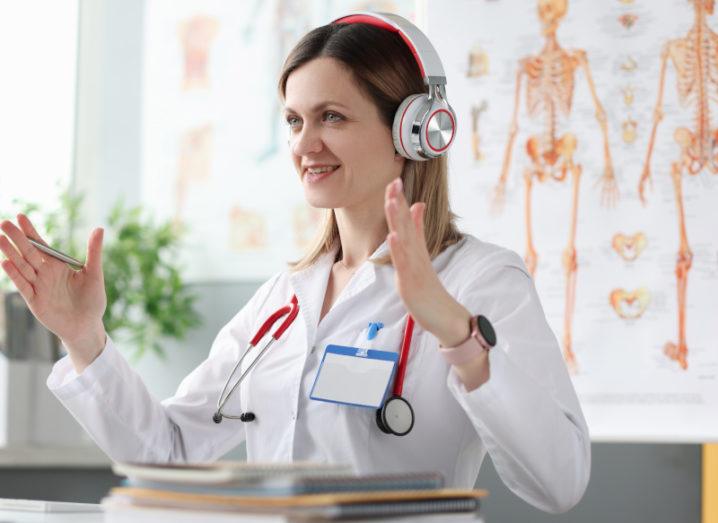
x=295, y=485
x=226, y=472
x=312, y=506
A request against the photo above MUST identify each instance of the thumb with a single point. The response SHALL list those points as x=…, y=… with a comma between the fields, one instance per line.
x=94, y=252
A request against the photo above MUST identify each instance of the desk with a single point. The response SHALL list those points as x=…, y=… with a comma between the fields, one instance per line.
x=175, y=516
x=132, y=516
x=28, y=456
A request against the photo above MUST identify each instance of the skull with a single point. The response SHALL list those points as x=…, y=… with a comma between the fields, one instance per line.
x=552, y=11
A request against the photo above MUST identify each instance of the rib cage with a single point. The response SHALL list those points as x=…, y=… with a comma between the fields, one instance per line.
x=550, y=83
x=549, y=90
x=695, y=58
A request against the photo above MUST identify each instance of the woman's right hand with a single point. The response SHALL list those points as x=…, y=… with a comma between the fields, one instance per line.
x=69, y=303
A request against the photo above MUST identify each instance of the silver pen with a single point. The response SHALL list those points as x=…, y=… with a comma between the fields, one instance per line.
x=57, y=254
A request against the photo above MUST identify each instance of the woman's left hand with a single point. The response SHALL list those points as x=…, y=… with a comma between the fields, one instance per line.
x=417, y=283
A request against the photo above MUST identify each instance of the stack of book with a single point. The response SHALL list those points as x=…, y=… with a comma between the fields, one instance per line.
x=297, y=490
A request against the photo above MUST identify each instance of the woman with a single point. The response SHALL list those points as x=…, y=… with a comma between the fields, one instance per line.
x=389, y=248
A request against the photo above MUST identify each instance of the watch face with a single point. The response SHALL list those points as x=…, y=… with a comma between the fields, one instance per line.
x=398, y=416
x=487, y=330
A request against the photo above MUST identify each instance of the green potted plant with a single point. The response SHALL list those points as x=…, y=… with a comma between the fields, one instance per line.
x=147, y=299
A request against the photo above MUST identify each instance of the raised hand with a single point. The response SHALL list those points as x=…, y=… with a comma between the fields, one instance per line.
x=417, y=283
x=69, y=303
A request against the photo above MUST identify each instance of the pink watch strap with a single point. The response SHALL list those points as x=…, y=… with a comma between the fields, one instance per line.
x=474, y=345
x=462, y=353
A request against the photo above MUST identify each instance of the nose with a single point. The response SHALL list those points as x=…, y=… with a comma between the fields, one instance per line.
x=305, y=141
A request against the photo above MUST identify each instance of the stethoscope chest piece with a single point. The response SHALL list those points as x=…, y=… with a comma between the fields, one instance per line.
x=395, y=417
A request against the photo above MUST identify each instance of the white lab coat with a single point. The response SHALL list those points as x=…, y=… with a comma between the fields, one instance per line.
x=527, y=416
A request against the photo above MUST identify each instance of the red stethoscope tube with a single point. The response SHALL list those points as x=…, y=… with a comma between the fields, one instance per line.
x=403, y=356
x=290, y=311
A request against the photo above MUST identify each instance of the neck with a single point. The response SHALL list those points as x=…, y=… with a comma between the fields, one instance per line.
x=362, y=230
x=551, y=42
x=699, y=13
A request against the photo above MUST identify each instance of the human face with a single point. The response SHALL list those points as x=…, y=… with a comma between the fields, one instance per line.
x=335, y=127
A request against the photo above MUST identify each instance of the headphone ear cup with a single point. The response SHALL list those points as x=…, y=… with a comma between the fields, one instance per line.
x=438, y=129
x=408, y=111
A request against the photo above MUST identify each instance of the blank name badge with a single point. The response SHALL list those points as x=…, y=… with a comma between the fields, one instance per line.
x=352, y=376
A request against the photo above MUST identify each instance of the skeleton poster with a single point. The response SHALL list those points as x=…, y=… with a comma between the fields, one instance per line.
x=588, y=143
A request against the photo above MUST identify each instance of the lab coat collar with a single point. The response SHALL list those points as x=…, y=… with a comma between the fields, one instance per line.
x=380, y=251
x=310, y=286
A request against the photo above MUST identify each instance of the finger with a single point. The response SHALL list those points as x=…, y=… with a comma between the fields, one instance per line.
x=23, y=286
x=391, y=188
x=388, y=195
x=399, y=209
x=389, y=211
x=402, y=223
x=94, y=252
x=18, y=261
x=417, y=216
x=398, y=254
x=29, y=229
x=30, y=253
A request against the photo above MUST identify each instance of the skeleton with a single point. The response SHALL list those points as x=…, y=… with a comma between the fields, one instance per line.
x=549, y=91
x=695, y=59
x=476, y=111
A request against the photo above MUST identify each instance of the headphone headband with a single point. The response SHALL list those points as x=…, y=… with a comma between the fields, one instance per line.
x=426, y=56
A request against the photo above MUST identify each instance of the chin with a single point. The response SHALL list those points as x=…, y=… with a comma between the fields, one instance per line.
x=324, y=196
x=322, y=201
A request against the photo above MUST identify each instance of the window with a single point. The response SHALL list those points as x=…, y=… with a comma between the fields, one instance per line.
x=38, y=53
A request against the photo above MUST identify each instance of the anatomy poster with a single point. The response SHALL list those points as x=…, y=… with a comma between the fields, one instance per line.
x=588, y=143
x=215, y=156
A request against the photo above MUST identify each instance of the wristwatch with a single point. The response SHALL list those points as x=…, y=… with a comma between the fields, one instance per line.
x=482, y=338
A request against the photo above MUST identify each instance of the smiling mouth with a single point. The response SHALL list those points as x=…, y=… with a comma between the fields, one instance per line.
x=314, y=175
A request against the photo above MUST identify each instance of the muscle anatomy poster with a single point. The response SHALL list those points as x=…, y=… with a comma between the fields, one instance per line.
x=588, y=143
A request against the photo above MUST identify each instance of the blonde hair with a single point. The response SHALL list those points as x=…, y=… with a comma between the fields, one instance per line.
x=387, y=72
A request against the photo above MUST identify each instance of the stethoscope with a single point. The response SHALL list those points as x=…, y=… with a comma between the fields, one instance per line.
x=291, y=312
x=395, y=416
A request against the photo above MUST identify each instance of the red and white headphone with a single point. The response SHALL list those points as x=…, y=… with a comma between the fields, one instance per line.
x=424, y=124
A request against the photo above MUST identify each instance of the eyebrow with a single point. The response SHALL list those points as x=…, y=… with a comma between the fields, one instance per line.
x=318, y=107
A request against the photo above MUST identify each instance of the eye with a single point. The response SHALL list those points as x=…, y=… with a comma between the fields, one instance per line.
x=292, y=121
x=333, y=117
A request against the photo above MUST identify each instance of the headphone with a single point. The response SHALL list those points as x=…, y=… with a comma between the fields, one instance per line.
x=424, y=124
